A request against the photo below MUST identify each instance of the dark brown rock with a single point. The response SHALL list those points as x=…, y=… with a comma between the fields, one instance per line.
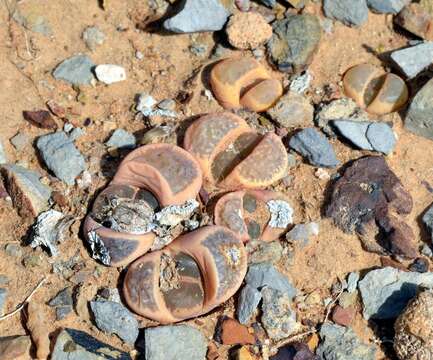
x=297, y=351
x=370, y=200
x=40, y=118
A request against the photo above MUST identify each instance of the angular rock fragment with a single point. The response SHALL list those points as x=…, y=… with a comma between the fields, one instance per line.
x=373, y=136
x=190, y=343
x=315, y=147
x=412, y=60
x=301, y=233
x=385, y=292
x=41, y=118
x=230, y=332
x=419, y=117
x=417, y=20
x=114, y=318
x=339, y=342
x=244, y=82
x=49, y=229
x=371, y=200
x=76, y=70
x=93, y=37
x=198, y=16
x=15, y=347
x=294, y=42
x=3, y=296
x=351, y=13
x=261, y=251
x=414, y=328
x=248, y=301
x=28, y=194
x=387, y=6
x=3, y=157
x=296, y=351
x=61, y=156
x=121, y=139
x=74, y=344
x=427, y=219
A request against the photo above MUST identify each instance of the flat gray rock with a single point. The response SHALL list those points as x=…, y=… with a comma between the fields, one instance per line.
x=419, y=118
x=3, y=296
x=177, y=342
x=74, y=344
x=341, y=343
x=264, y=274
x=198, y=16
x=314, y=146
x=114, y=318
x=121, y=139
x=381, y=137
x=427, y=219
x=61, y=156
x=3, y=158
x=387, y=6
x=385, y=292
x=412, y=60
x=349, y=12
x=248, y=302
x=76, y=70
x=354, y=131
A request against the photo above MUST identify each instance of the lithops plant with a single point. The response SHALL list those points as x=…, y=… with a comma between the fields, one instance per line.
x=232, y=155
x=244, y=82
x=188, y=278
x=254, y=214
x=374, y=90
x=414, y=329
x=121, y=226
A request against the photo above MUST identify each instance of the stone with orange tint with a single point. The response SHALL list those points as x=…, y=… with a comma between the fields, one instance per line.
x=244, y=82
x=191, y=276
x=234, y=333
x=374, y=90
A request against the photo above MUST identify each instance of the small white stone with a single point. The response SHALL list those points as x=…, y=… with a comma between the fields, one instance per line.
x=109, y=74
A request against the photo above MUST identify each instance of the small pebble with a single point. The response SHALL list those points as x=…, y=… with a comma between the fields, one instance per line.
x=420, y=265
x=13, y=250
x=93, y=37
x=110, y=74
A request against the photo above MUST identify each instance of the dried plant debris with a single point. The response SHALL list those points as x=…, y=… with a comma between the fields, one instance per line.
x=49, y=230
x=371, y=200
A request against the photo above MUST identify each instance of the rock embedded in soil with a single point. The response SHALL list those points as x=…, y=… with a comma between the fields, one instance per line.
x=3, y=157
x=40, y=118
x=296, y=351
x=301, y=233
x=385, y=292
x=28, y=194
x=114, y=318
x=427, y=219
x=343, y=316
x=198, y=16
x=420, y=265
x=417, y=20
x=63, y=297
x=15, y=347
x=3, y=297
x=414, y=328
x=110, y=74
x=121, y=139
x=349, y=12
x=370, y=200
x=248, y=30
x=340, y=343
x=20, y=141
x=373, y=136
x=93, y=37
x=61, y=156
x=294, y=42
x=189, y=343
x=74, y=344
x=13, y=250
x=292, y=111
x=248, y=301
x=419, y=117
x=412, y=60
x=231, y=332
x=76, y=70
x=387, y=6
x=314, y=146
x=263, y=251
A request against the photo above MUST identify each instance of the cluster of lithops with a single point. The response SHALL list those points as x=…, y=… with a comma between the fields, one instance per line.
x=374, y=90
x=155, y=189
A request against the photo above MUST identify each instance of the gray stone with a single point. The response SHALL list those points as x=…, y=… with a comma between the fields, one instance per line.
x=33, y=20
x=4, y=280
x=426, y=250
x=198, y=16
x=63, y=311
x=352, y=282
x=93, y=37
x=427, y=219
x=74, y=344
x=278, y=318
x=3, y=296
x=121, y=139
x=301, y=83
x=387, y=6
x=63, y=297
x=341, y=343
x=315, y=147
x=294, y=42
x=264, y=251
x=248, y=302
x=3, y=157
x=178, y=342
x=76, y=70
x=385, y=292
x=270, y=3
x=20, y=141
x=419, y=118
x=114, y=318
x=28, y=194
x=355, y=132
x=300, y=234
x=13, y=250
x=381, y=137
x=292, y=111
x=412, y=60
x=264, y=274
x=61, y=156
x=349, y=12
x=76, y=133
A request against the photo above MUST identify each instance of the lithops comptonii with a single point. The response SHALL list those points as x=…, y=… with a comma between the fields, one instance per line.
x=374, y=90
x=254, y=214
x=414, y=329
x=188, y=278
x=118, y=229
x=234, y=156
x=244, y=82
